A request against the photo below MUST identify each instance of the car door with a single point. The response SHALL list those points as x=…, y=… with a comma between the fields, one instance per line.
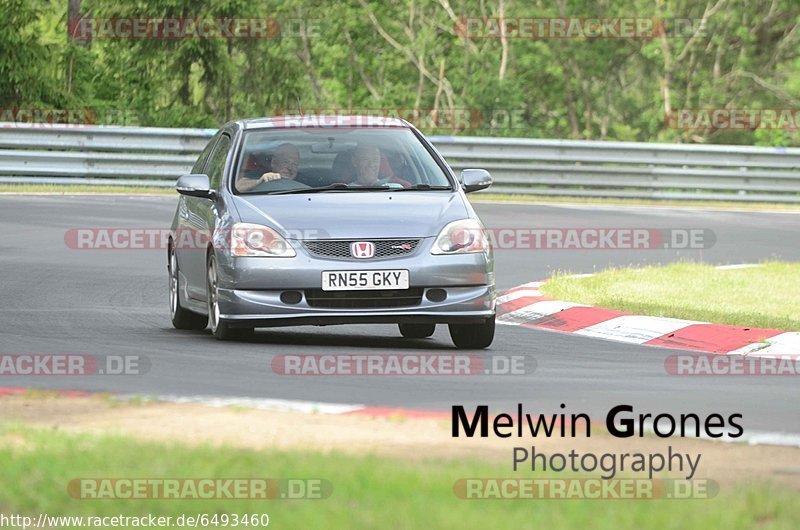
x=182, y=222
x=201, y=215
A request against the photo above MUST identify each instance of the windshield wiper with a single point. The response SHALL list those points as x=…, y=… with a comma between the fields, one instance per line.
x=336, y=186
x=339, y=186
x=424, y=187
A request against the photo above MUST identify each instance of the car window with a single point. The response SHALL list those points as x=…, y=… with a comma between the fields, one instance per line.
x=200, y=165
x=216, y=162
x=281, y=159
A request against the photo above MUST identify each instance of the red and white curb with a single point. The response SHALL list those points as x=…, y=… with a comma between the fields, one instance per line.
x=277, y=405
x=290, y=405
x=526, y=306
x=313, y=407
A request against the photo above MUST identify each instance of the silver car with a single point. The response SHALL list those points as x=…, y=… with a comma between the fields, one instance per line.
x=320, y=220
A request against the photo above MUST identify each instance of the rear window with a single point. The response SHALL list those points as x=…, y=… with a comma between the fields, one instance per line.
x=280, y=159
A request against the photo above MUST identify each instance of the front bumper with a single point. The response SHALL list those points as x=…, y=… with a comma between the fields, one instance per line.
x=251, y=288
x=265, y=309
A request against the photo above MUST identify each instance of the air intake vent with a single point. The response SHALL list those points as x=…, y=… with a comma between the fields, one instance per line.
x=340, y=249
x=363, y=299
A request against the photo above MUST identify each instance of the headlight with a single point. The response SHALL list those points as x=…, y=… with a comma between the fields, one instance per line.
x=260, y=241
x=461, y=237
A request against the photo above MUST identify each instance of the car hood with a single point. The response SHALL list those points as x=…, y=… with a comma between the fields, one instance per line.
x=353, y=215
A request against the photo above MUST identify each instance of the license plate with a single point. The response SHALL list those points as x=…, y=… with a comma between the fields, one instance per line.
x=364, y=280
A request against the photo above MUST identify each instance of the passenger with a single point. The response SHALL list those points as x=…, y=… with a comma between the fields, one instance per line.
x=284, y=163
x=366, y=163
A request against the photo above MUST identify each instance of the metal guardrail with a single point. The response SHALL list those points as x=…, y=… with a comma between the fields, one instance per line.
x=150, y=156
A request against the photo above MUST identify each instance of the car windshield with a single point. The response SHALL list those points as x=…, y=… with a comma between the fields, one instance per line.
x=281, y=161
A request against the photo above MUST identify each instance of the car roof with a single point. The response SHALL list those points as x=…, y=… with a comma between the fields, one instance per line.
x=322, y=120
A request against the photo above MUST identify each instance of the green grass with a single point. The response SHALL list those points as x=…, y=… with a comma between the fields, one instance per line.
x=68, y=189
x=766, y=296
x=368, y=491
x=602, y=201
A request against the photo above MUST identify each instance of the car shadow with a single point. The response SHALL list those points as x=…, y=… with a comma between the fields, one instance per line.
x=304, y=337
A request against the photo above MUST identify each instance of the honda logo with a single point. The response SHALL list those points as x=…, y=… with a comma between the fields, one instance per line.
x=362, y=249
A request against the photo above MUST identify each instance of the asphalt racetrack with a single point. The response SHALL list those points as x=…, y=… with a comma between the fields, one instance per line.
x=114, y=302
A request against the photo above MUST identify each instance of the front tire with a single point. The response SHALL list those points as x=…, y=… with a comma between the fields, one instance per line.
x=181, y=317
x=417, y=331
x=220, y=328
x=473, y=336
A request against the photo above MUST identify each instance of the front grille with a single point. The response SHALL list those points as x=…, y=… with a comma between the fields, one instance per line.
x=363, y=299
x=384, y=248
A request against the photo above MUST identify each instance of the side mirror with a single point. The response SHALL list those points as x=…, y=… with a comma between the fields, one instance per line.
x=475, y=179
x=195, y=185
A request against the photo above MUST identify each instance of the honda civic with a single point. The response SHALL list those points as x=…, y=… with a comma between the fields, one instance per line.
x=314, y=220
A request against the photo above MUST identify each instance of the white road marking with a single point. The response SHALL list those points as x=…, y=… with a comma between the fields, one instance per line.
x=536, y=311
x=282, y=405
x=634, y=328
x=738, y=266
x=785, y=344
x=516, y=295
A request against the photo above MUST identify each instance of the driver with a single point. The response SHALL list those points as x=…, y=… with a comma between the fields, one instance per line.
x=284, y=163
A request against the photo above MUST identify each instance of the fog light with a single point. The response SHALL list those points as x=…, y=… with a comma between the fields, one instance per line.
x=436, y=295
x=291, y=297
